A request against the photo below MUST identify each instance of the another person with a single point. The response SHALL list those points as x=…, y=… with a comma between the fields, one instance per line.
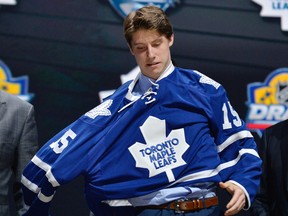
x=161, y=143
x=272, y=199
x=18, y=144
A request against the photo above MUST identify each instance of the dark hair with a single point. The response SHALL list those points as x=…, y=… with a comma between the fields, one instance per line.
x=149, y=18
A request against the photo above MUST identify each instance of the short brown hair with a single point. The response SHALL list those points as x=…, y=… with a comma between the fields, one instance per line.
x=149, y=18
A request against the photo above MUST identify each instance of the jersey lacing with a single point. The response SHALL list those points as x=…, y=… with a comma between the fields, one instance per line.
x=150, y=93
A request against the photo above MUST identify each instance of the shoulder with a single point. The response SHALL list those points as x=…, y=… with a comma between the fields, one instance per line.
x=275, y=133
x=278, y=128
x=196, y=80
x=14, y=101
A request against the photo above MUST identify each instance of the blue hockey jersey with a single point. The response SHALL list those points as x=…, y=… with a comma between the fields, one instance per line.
x=181, y=132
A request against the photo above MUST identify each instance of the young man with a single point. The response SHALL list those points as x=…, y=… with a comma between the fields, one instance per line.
x=161, y=143
x=18, y=144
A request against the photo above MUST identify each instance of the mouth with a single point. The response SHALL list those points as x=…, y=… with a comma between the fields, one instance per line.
x=153, y=64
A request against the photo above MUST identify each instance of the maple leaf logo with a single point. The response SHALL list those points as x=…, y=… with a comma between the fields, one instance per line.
x=160, y=153
x=275, y=8
x=100, y=110
x=207, y=80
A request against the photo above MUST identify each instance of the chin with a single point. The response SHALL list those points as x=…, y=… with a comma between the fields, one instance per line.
x=156, y=75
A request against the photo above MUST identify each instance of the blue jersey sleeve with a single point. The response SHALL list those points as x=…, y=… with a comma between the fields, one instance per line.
x=240, y=162
x=59, y=161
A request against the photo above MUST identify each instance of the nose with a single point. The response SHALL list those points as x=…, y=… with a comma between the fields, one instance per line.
x=150, y=52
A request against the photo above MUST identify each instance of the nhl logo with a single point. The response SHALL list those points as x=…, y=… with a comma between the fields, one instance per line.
x=124, y=7
x=282, y=93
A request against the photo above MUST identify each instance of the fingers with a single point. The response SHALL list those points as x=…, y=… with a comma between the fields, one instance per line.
x=223, y=185
x=235, y=205
x=227, y=186
x=238, y=199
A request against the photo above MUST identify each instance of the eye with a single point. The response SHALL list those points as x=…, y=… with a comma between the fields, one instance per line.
x=157, y=43
x=140, y=48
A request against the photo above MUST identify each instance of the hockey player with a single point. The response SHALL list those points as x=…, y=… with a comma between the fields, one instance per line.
x=161, y=143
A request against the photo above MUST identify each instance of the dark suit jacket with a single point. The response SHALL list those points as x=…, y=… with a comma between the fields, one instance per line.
x=18, y=144
x=272, y=198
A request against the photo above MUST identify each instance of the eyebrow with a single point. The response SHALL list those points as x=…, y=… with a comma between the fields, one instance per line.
x=154, y=41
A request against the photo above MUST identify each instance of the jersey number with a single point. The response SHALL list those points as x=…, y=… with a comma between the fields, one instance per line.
x=227, y=122
x=62, y=143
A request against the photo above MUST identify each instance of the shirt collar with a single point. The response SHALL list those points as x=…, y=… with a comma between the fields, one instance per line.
x=170, y=68
x=144, y=81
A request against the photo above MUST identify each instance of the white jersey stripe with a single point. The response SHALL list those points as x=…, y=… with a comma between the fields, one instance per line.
x=234, y=138
x=30, y=185
x=52, y=179
x=44, y=198
x=41, y=164
x=46, y=167
x=210, y=173
x=195, y=176
x=235, y=161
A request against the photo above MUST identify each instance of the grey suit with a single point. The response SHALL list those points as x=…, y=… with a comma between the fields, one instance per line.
x=18, y=144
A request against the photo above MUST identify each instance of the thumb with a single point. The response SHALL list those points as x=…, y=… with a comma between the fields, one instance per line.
x=223, y=185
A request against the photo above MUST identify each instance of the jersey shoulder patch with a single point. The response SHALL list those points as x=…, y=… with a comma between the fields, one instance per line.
x=207, y=80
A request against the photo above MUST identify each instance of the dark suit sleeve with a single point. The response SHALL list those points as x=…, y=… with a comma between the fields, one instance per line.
x=260, y=205
x=27, y=148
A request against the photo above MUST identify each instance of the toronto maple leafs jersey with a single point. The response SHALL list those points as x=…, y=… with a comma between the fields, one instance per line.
x=183, y=131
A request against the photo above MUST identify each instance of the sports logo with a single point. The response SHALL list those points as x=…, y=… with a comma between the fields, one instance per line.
x=124, y=7
x=15, y=86
x=268, y=101
x=160, y=153
x=100, y=110
x=207, y=80
x=275, y=8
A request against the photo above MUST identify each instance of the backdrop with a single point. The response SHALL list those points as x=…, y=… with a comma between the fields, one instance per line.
x=72, y=50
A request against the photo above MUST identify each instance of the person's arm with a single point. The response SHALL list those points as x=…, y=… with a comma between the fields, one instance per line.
x=59, y=161
x=260, y=206
x=39, y=181
x=26, y=149
x=240, y=167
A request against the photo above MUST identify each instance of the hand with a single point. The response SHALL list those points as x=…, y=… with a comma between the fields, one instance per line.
x=238, y=199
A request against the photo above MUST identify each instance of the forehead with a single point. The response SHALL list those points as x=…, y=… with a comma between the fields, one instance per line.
x=145, y=36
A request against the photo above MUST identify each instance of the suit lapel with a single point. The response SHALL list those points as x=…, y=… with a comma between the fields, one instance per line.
x=2, y=106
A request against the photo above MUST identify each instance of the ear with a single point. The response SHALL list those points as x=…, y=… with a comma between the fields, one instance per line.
x=171, y=40
x=131, y=51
